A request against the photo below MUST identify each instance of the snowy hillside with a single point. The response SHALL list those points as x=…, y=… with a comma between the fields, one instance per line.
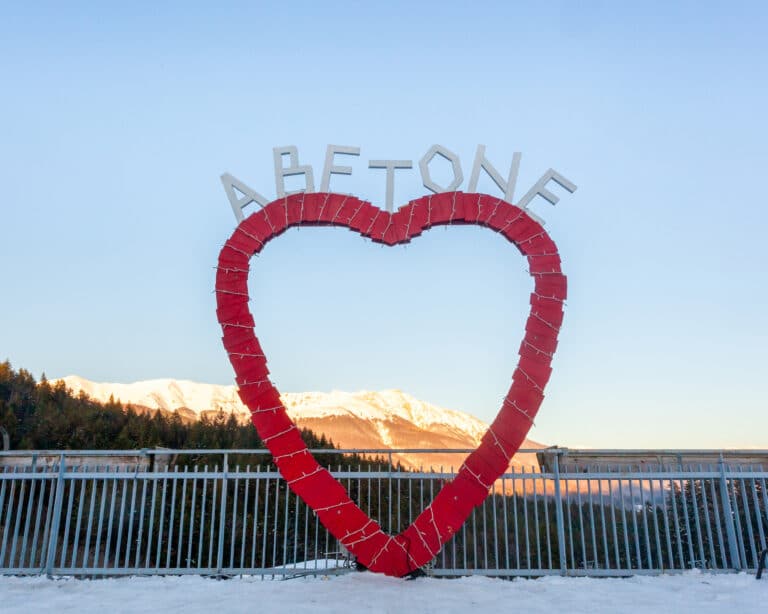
x=167, y=394
x=384, y=406
x=363, y=420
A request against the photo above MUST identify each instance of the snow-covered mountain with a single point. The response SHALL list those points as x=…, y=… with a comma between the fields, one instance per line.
x=384, y=419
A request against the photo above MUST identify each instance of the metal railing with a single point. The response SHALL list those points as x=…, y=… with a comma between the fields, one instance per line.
x=228, y=512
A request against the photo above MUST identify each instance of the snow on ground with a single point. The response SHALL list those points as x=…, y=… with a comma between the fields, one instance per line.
x=366, y=592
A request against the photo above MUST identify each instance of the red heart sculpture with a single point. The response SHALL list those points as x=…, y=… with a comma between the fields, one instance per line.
x=395, y=555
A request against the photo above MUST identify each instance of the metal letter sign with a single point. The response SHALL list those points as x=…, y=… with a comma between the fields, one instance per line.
x=240, y=195
x=395, y=555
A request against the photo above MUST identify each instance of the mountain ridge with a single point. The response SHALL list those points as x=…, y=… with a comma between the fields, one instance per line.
x=363, y=419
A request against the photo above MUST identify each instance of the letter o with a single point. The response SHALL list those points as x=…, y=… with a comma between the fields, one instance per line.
x=458, y=176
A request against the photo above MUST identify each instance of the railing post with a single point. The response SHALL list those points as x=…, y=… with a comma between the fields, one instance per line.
x=389, y=496
x=222, y=517
x=52, y=539
x=559, y=514
x=728, y=513
x=761, y=563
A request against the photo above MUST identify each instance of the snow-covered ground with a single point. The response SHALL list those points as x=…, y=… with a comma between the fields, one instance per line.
x=366, y=592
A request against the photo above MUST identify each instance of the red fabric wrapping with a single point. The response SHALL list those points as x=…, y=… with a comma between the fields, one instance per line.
x=503, y=216
x=511, y=427
x=237, y=336
x=234, y=313
x=417, y=221
x=234, y=307
x=380, y=224
x=390, y=235
x=258, y=226
x=421, y=541
x=487, y=207
x=552, y=286
x=290, y=446
x=292, y=466
x=486, y=466
x=496, y=449
x=244, y=243
x=394, y=555
x=441, y=208
x=277, y=217
x=294, y=211
x=258, y=392
x=250, y=371
x=257, y=395
x=333, y=207
x=546, y=308
x=230, y=303
x=545, y=344
x=230, y=258
x=320, y=492
x=325, y=209
x=551, y=314
x=456, y=199
x=232, y=279
x=531, y=352
x=544, y=264
x=540, y=245
x=402, y=217
x=523, y=397
x=343, y=519
x=363, y=217
x=521, y=228
x=534, y=370
x=269, y=424
x=312, y=204
x=471, y=493
x=421, y=207
x=347, y=208
x=230, y=273
x=456, y=506
x=535, y=326
x=470, y=206
x=244, y=348
x=398, y=233
x=517, y=413
x=256, y=242
x=537, y=300
x=230, y=283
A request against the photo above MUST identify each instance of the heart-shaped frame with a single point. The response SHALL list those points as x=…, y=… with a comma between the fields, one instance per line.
x=395, y=555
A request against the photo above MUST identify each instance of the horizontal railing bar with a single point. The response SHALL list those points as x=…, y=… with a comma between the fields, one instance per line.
x=656, y=451
x=605, y=573
x=233, y=474
x=21, y=475
x=201, y=571
x=264, y=451
x=653, y=475
x=303, y=571
x=494, y=572
x=404, y=475
x=715, y=453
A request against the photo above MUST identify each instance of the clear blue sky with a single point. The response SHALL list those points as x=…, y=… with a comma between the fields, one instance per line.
x=115, y=123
